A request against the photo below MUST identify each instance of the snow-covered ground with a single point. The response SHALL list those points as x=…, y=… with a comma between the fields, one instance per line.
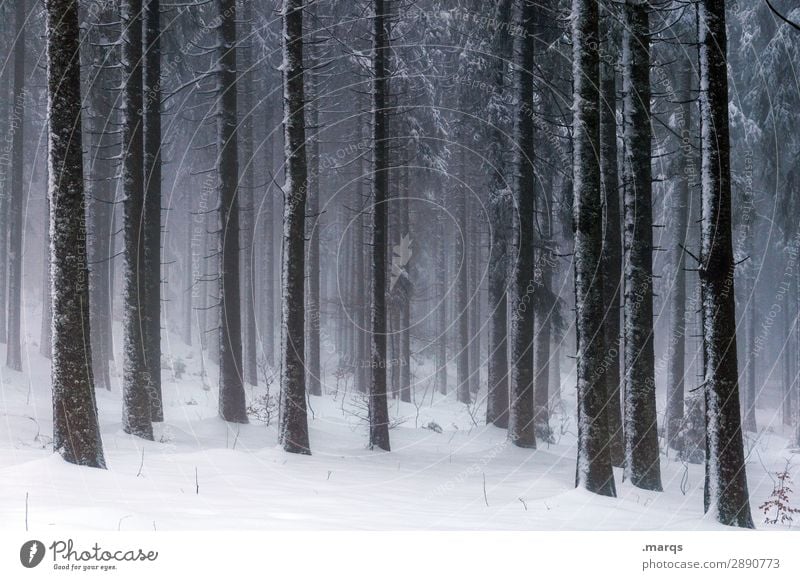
x=202, y=473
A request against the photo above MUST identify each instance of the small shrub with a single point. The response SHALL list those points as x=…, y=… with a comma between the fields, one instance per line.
x=779, y=502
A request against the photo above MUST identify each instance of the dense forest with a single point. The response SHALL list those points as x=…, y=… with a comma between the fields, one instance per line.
x=520, y=247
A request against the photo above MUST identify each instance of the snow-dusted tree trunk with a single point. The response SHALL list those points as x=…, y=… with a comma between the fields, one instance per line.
x=594, y=471
x=136, y=406
x=612, y=239
x=294, y=420
x=151, y=222
x=642, y=465
x=726, y=495
x=378, y=409
x=677, y=297
x=247, y=207
x=232, y=404
x=17, y=198
x=521, y=430
x=76, y=434
x=500, y=217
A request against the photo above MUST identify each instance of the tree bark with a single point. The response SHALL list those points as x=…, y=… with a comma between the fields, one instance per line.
x=17, y=197
x=594, y=472
x=247, y=208
x=152, y=206
x=294, y=421
x=76, y=433
x=462, y=304
x=677, y=298
x=726, y=495
x=521, y=430
x=612, y=242
x=378, y=409
x=497, y=404
x=136, y=405
x=232, y=404
x=642, y=465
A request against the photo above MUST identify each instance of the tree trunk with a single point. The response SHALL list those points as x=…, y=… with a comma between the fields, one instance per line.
x=441, y=300
x=152, y=206
x=17, y=197
x=76, y=433
x=314, y=222
x=642, y=465
x=378, y=409
x=102, y=171
x=612, y=242
x=294, y=421
x=232, y=404
x=594, y=472
x=497, y=404
x=189, y=271
x=462, y=304
x=247, y=208
x=136, y=413
x=474, y=253
x=726, y=495
x=677, y=297
x=521, y=430
x=360, y=299
x=268, y=263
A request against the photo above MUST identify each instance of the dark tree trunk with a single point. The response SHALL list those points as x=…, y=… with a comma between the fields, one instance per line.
x=612, y=243
x=545, y=304
x=136, y=413
x=642, y=465
x=294, y=420
x=17, y=197
x=497, y=402
x=188, y=272
x=441, y=300
x=76, y=433
x=461, y=239
x=726, y=494
x=268, y=263
x=232, y=404
x=594, y=471
x=378, y=409
x=521, y=430
x=247, y=207
x=475, y=331
x=152, y=207
x=677, y=297
x=360, y=301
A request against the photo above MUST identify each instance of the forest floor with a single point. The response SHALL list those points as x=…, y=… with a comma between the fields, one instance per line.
x=202, y=473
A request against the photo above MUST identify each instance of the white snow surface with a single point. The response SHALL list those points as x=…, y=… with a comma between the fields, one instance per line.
x=204, y=474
